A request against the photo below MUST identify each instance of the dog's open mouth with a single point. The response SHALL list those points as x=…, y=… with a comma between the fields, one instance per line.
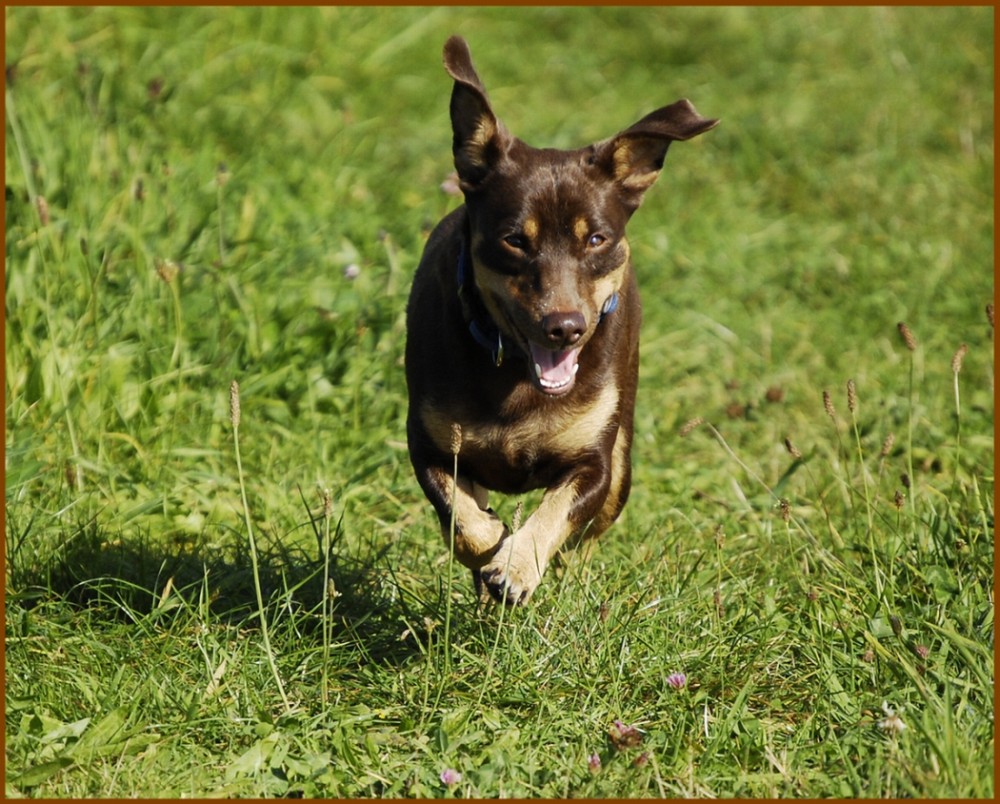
x=555, y=372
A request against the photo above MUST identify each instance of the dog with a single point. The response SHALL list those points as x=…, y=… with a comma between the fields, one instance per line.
x=522, y=345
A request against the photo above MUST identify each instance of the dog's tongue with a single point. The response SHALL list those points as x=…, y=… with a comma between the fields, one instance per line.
x=555, y=371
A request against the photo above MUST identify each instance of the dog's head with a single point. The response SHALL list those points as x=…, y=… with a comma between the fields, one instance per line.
x=547, y=227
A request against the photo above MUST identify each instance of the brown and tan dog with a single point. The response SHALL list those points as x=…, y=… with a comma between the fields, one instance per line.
x=522, y=346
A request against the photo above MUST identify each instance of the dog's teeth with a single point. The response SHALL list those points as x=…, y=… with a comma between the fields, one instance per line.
x=576, y=368
x=538, y=371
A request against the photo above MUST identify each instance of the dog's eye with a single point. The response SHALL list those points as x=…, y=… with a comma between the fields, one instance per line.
x=518, y=242
x=596, y=240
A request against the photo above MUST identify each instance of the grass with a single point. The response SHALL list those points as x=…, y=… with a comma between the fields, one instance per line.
x=197, y=197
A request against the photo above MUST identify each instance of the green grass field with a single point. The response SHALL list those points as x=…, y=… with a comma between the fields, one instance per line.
x=200, y=196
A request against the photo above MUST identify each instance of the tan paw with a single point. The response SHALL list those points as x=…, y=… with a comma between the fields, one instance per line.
x=513, y=574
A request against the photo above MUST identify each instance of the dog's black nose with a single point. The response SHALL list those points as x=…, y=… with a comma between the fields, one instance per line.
x=563, y=329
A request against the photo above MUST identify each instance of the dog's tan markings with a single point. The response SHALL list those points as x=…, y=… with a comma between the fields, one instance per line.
x=530, y=229
x=630, y=158
x=581, y=228
x=611, y=282
x=576, y=430
x=567, y=432
x=523, y=556
x=492, y=287
x=475, y=147
x=477, y=532
x=612, y=505
x=438, y=426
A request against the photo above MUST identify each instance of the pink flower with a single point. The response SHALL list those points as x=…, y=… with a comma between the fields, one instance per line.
x=624, y=736
x=677, y=680
x=450, y=776
x=594, y=762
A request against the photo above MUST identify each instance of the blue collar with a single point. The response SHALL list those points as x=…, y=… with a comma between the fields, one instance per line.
x=481, y=327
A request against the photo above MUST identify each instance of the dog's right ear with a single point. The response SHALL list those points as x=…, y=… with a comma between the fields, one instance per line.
x=479, y=137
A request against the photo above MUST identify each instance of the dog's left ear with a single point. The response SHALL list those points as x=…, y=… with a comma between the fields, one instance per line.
x=634, y=157
x=479, y=137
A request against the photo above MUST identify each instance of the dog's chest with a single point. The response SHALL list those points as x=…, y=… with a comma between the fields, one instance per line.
x=537, y=436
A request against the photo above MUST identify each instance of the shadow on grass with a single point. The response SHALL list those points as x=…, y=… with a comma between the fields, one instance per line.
x=126, y=577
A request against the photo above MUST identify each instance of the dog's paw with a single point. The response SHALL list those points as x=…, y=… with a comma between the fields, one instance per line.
x=512, y=576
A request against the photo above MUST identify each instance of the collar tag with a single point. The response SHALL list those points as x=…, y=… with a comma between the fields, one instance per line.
x=610, y=305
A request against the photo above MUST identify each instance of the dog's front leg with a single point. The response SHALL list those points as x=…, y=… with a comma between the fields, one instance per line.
x=478, y=531
x=514, y=572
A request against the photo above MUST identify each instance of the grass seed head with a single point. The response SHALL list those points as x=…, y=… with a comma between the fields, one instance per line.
x=515, y=520
x=691, y=425
x=887, y=445
x=792, y=449
x=908, y=339
x=959, y=356
x=456, y=438
x=43, y=210
x=327, y=503
x=167, y=270
x=234, y=403
x=852, y=396
x=720, y=607
x=828, y=406
x=898, y=499
x=786, y=509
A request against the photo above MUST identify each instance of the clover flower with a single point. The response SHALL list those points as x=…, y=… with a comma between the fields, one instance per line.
x=624, y=736
x=892, y=721
x=677, y=680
